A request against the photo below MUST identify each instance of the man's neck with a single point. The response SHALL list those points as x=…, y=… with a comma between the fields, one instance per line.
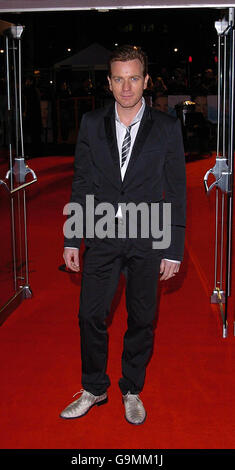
x=126, y=115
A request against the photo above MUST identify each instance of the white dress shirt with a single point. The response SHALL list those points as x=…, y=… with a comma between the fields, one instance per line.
x=120, y=133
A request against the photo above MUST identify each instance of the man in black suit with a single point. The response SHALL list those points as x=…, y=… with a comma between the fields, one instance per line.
x=126, y=153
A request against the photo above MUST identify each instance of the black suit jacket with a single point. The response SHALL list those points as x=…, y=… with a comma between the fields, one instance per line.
x=156, y=170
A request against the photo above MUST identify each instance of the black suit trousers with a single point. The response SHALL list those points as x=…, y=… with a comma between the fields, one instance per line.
x=104, y=260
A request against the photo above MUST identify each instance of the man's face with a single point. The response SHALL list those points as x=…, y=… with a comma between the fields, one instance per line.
x=127, y=82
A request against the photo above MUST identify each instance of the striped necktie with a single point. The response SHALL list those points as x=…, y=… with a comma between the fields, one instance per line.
x=126, y=145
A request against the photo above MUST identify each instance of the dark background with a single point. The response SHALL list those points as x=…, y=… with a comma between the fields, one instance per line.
x=48, y=35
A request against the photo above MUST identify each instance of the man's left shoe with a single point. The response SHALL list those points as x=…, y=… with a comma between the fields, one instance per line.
x=134, y=409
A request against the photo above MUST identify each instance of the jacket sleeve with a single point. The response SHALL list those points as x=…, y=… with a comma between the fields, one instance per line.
x=82, y=179
x=175, y=192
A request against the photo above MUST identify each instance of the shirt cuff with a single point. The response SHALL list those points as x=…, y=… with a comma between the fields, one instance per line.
x=173, y=260
x=71, y=247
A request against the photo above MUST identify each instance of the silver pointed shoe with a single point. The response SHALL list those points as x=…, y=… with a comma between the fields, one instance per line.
x=134, y=409
x=82, y=405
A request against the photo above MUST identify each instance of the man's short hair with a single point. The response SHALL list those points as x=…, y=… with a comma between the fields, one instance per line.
x=127, y=52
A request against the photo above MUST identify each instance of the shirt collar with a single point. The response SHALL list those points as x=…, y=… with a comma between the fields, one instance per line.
x=137, y=117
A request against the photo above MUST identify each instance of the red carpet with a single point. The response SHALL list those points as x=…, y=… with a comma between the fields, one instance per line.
x=190, y=383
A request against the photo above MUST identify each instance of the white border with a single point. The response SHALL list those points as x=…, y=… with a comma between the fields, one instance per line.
x=126, y=7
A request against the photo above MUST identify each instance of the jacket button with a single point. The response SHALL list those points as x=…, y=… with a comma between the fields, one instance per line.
x=122, y=193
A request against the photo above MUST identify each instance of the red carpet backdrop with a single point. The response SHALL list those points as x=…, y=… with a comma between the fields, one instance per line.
x=189, y=391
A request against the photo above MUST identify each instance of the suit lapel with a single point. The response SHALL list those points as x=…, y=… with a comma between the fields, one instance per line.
x=142, y=134
x=110, y=130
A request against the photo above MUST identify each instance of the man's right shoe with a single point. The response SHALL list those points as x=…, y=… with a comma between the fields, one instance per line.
x=82, y=405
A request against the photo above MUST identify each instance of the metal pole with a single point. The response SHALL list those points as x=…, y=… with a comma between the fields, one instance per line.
x=223, y=104
x=10, y=160
x=218, y=102
x=216, y=237
x=221, y=242
x=218, y=151
x=20, y=102
x=16, y=100
x=9, y=110
x=230, y=159
x=26, y=241
x=231, y=165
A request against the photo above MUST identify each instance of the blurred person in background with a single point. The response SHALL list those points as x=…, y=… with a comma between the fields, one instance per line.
x=32, y=121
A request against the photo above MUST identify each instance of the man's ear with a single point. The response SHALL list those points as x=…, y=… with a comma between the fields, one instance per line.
x=146, y=79
x=110, y=84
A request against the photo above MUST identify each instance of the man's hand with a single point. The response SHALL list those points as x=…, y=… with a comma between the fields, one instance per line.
x=71, y=257
x=168, y=269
